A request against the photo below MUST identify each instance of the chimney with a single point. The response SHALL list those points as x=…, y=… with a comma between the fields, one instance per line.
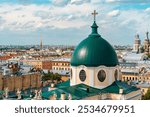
x=121, y=91
x=52, y=85
x=63, y=96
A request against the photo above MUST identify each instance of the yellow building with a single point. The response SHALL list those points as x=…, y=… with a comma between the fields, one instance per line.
x=31, y=80
x=136, y=76
x=61, y=64
x=39, y=64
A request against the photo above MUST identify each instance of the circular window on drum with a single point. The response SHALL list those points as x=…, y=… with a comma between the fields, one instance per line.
x=116, y=74
x=82, y=75
x=101, y=75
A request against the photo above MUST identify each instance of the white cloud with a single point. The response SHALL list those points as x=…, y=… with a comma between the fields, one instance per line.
x=110, y=1
x=32, y=17
x=60, y=2
x=114, y=13
x=137, y=22
x=127, y=1
x=78, y=2
x=147, y=10
x=72, y=16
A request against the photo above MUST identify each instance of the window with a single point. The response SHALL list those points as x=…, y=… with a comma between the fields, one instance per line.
x=71, y=73
x=82, y=75
x=116, y=74
x=101, y=75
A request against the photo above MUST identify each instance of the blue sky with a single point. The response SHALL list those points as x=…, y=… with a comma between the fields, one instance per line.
x=68, y=22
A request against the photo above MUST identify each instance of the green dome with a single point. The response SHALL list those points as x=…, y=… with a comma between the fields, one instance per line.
x=94, y=51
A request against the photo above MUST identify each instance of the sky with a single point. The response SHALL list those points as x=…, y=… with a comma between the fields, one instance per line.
x=67, y=22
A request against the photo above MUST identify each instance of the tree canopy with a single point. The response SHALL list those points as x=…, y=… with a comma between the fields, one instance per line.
x=51, y=76
x=147, y=95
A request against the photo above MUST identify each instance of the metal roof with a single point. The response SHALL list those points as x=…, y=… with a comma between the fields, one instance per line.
x=94, y=51
x=81, y=91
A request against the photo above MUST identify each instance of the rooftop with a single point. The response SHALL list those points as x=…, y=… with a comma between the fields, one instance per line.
x=143, y=85
x=130, y=56
x=81, y=91
x=62, y=59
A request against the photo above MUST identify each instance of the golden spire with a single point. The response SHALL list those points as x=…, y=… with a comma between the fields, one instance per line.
x=41, y=44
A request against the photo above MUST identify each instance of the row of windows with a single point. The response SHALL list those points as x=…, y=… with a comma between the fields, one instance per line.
x=135, y=78
x=101, y=75
x=62, y=64
x=56, y=68
x=39, y=65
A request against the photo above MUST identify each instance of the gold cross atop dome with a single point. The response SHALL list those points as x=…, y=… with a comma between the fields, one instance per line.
x=94, y=14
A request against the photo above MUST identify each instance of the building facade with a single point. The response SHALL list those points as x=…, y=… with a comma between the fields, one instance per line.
x=137, y=44
x=39, y=64
x=61, y=64
x=140, y=48
x=32, y=80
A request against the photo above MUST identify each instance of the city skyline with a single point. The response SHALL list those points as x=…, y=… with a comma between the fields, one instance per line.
x=66, y=22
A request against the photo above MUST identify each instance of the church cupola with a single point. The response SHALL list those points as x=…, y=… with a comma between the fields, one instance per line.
x=146, y=43
x=94, y=61
x=137, y=43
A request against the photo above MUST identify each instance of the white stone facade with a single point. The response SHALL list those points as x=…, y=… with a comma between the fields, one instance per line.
x=92, y=76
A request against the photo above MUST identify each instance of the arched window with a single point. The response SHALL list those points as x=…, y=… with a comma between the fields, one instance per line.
x=82, y=75
x=101, y=75
x=71, y=73
x=116, y=74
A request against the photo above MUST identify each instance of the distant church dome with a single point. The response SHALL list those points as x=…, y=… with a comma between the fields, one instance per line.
x=94, y=51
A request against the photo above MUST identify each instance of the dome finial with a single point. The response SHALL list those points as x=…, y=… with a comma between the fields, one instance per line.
x=137, y=36
x=94, y=14
x=94, y=26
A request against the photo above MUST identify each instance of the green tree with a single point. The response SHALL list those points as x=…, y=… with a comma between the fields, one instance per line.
x=147, y=95
x=148, y=55
x=51, y=76
x=57, y=77
x=47, y=76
